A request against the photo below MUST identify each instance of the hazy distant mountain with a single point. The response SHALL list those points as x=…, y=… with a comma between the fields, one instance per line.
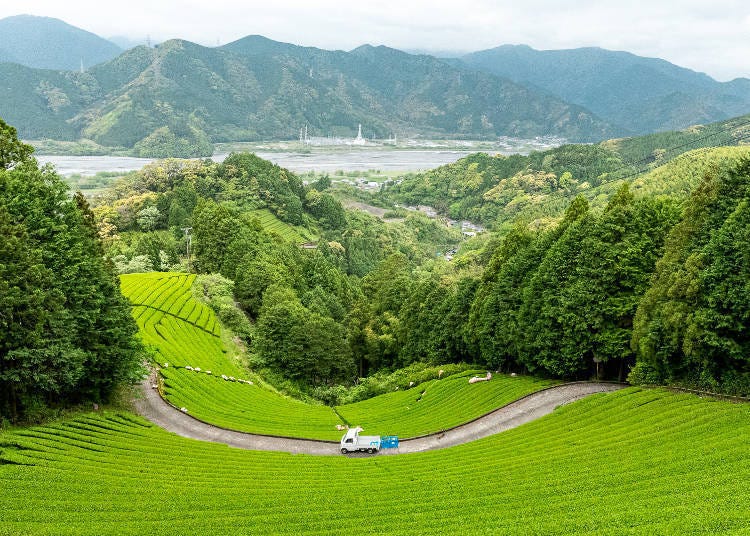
x=47, y=43
x=6, y=56
x=639, y=94
x=739, y=87
x=186, y=95
x=438, y=53
x=391, y=91
x=126, y=43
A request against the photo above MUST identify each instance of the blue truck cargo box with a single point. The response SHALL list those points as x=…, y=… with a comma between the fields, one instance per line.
x=389, y=442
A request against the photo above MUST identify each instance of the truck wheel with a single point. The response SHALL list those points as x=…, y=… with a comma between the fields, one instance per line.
x=344, y=451
x=370, y=451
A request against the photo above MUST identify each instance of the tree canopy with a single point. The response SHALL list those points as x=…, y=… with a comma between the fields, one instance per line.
x=66, y=333
x=12, y=150
x=692, y=322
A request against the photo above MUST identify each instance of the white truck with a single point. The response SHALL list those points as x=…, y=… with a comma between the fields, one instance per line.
x=353, y=442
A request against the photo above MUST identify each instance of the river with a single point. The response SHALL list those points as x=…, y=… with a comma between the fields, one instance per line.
x=357, y=160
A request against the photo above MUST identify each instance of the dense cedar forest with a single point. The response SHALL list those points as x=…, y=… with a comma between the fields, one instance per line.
x=616, y=275
x=66, y=333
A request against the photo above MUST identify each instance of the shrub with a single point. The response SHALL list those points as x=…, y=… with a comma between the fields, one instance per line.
x=644, y=374
x=217, y=292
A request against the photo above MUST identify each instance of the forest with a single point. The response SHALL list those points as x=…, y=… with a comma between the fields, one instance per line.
x=66, y=333
x=645, y=281
x=583, y=295
x=498, y=190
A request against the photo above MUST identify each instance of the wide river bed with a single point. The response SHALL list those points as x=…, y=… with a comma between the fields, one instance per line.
x=298, y=162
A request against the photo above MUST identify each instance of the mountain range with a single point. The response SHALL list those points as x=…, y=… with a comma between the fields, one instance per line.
x=256, y=88
x=179, y=97
x=638, y=94
x=47, y=43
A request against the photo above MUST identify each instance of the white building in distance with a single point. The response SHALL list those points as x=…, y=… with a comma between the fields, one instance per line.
x=359, y=140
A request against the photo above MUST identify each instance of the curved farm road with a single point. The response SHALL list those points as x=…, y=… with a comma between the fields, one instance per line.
x=526, y=409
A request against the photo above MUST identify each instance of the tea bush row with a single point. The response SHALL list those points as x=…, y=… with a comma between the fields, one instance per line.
x=629, y=462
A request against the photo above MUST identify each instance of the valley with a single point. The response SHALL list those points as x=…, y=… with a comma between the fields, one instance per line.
x=521, y=272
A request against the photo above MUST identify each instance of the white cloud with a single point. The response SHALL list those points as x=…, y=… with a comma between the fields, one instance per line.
x=706, y=36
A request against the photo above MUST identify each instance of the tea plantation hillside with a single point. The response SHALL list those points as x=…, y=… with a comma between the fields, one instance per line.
x=288, y=232
x=438, y=404
x=198, y=374
x=187, y=338
x=630, y=462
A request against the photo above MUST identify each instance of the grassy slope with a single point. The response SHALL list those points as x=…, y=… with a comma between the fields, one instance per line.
x=288, y=232
x=248, y=408
x=630, y=462
x=162, y=303
x=445, y=403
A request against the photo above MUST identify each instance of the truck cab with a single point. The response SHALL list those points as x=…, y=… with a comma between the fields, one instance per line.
x=353, y=442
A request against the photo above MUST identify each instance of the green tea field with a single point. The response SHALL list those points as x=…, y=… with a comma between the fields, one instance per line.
x=187, y=337
x=630, y=462
x=288, y=232
x=198, y=362
x=438, y=404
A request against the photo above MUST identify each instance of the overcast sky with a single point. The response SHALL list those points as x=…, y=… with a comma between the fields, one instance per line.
x=712, y=36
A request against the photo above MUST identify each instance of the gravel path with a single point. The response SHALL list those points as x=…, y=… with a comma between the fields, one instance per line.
x=154, y=408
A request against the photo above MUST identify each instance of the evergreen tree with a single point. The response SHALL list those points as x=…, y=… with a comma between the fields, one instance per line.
x=493, y=320
x=66, y=331
x=691, y=324
x=301, y=344
x=12, y=150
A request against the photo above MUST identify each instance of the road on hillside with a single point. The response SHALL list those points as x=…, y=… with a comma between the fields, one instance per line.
x=153, y=407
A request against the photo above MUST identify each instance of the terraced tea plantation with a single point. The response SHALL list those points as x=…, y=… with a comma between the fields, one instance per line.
x=248, y=408
x=287, y=231
x=438, y=404
x=198, y=362
x=183, y=330
x=187, y=337
x=633, y=461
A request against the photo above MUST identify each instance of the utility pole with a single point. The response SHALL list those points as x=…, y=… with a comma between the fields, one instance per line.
x=188, y=242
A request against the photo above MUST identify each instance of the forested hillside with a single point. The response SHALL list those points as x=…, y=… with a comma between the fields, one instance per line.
x=178, y=98
x=634, y=93
x=422, y=90
x=330, y=301
x=497, y=190
x=558, y=299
